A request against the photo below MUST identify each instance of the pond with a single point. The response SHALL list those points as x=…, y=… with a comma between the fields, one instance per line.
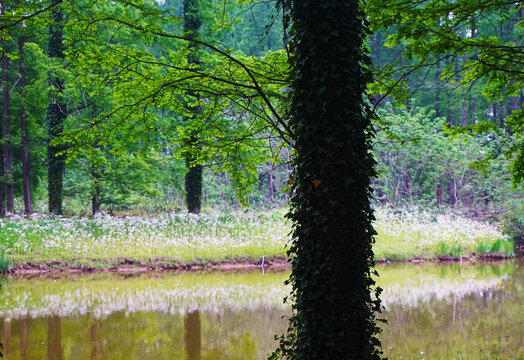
x=453, y=311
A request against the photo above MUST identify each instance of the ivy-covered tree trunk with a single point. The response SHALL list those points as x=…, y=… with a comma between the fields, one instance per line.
x=331, y=253
x=193, y=179
x=28, y=205
x=56, y=114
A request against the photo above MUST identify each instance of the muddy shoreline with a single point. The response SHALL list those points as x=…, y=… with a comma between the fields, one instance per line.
x=125, y=265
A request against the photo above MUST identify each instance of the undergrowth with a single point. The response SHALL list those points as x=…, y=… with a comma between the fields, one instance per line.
x=223, y=236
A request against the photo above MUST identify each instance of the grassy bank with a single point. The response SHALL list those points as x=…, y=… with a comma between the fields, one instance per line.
x=216, y=237
x=404, y=235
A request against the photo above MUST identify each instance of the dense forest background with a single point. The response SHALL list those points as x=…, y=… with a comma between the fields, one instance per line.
x=106, y=109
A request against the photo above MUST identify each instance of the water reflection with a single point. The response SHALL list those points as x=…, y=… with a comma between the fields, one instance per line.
x=192, y=335
x=434, y=312
x=54, y=339
x=457, y=311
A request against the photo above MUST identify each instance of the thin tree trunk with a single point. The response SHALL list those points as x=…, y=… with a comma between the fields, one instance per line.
x=449, y=114
x=452, y=191
x=437, y=84
x=494, y=111
x=375, y=52
x=515, y=103
x=28, y=205
x=502, y=119
x=56, y=114
x=464, y=113
x=439, y=194
x=437, y=90
x=2, y=157
x=6, y=123
x=270, y=183
x=95, y=197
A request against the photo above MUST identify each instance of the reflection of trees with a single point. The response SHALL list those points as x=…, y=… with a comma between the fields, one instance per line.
x=24, y=330
x=192, y=335
x=92, y=338
x=7, y=337
x=54, y=338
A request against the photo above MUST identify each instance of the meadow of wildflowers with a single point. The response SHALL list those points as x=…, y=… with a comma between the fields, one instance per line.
x=404, y=234
x=177, y=237
x=221, y=236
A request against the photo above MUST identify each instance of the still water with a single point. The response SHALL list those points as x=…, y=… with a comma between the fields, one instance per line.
x=454, y=311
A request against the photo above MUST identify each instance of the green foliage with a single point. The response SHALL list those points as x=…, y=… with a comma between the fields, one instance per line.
x=461, y=58
x=423, y=162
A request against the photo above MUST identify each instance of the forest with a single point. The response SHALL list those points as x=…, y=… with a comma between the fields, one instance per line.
x=101, y=111
x=155, y=135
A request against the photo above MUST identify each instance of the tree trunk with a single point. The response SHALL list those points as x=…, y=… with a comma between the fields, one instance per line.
x=193, y=180
x=95, y=197
x=437, y=84
x=452, y=191
x=28, y=205
x=331, y=252
x=6, y=123
x=376, y=45
x=439, y=194
x=437, y=90
x=95, y=177
x=449, y=113
x=502, y=119
x=270, y=183
x=464, y=113
x=193, y=185
x=2, y=155
x=56, y=114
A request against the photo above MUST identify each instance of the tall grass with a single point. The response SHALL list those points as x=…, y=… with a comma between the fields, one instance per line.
x=219, y=236
x=179, y=237
x=404, y=234
x=5, y=263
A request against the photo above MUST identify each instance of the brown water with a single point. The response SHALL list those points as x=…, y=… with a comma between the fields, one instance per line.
x=456, y=311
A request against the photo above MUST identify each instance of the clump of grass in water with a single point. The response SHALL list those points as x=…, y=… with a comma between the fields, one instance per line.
x=453, y=249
